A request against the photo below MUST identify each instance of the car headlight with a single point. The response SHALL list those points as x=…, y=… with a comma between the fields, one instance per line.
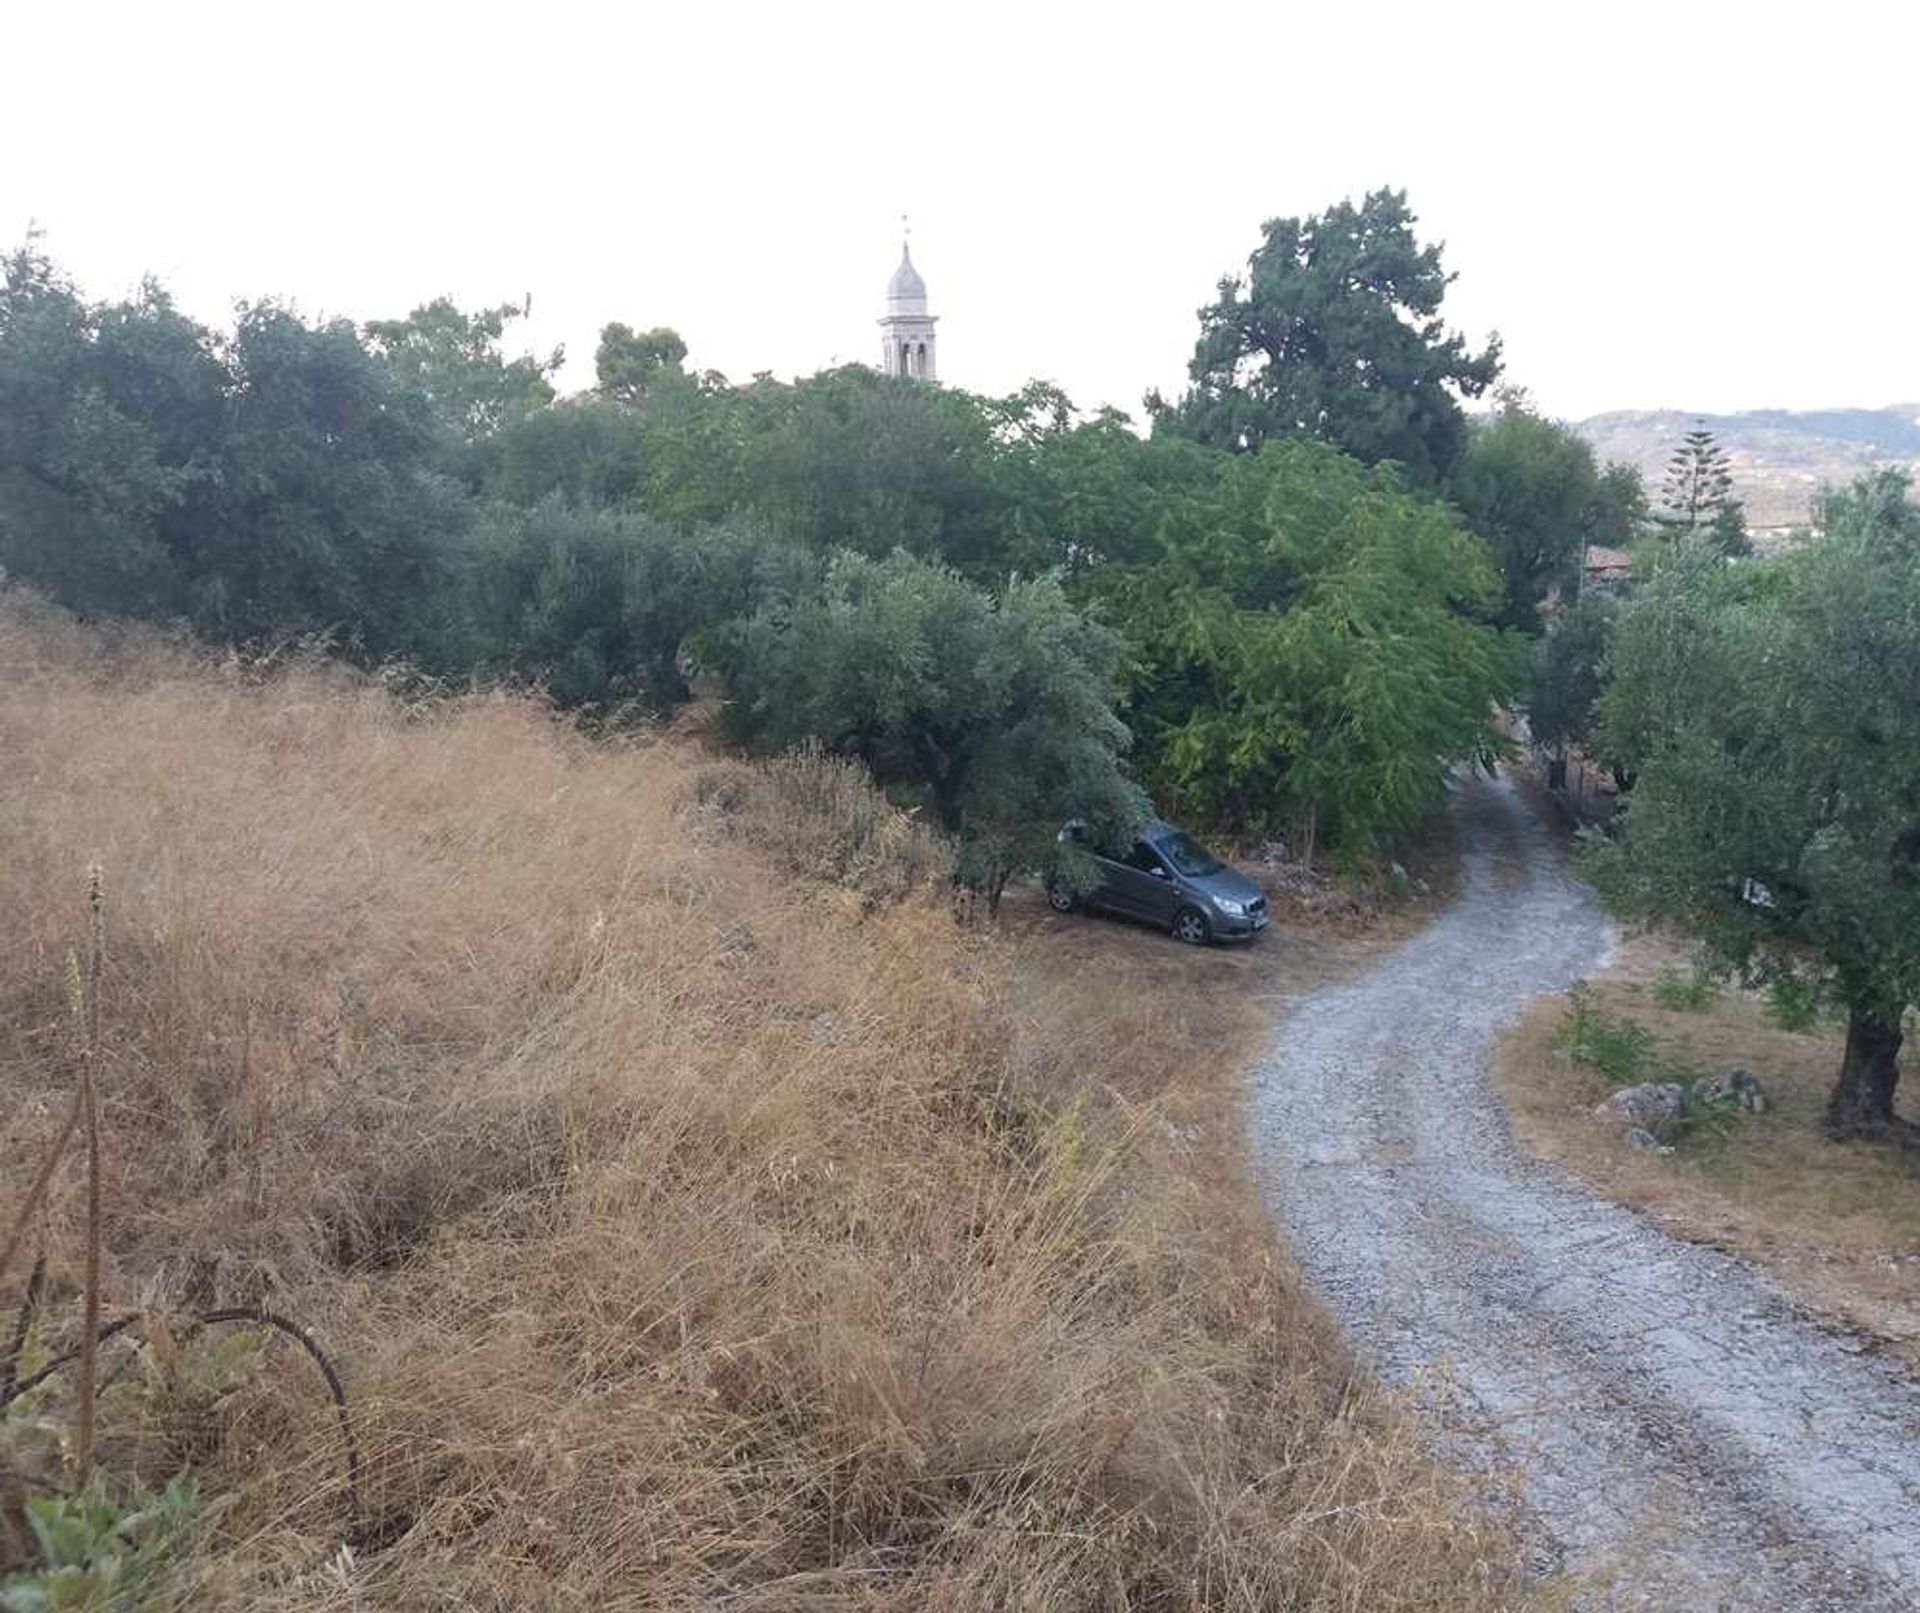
x=1231, y=908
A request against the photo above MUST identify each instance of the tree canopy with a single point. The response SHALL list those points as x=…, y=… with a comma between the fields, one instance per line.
x=454, y=359
x=1312, y=648
x=1529, y=486
x=1773, y=714
x=1335, y=333
x=998, y=710
x=1294, y=639
x=1696, y=496
x=1563, y=697
x=629, y=363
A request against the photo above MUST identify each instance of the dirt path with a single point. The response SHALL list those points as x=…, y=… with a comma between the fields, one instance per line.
x=1680, y=1437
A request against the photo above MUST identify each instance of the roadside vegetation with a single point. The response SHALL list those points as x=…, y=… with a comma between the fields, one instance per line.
x=1763, y=720
x=1837, y=1226
x=696, y=1213
x=1284, y=611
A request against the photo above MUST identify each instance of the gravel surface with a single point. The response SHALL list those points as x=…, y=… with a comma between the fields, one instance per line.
x=1678, y=1436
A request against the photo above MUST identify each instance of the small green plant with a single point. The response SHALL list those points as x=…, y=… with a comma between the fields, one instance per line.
x=1793, y=1004
x=1710, y=1118
x=1619, y=1049
x=1684, y=993
x=1627, y=1055
x=94, y=1551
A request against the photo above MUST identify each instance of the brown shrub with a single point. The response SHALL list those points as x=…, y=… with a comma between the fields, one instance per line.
x=691, y=1235
x=820, y=816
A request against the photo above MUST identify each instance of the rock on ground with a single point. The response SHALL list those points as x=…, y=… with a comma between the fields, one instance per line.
x=1680, y=1436
x=1644, y=1104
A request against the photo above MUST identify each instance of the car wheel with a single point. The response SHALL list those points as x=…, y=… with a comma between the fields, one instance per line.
x=1061, y=898
x=1190, y=925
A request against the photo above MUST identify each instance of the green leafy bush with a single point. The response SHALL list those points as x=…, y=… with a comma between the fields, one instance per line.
x=1619, y=1049
x=94, y=1551
x=1793, y=1004
x=994, y=710
x=1684, y=993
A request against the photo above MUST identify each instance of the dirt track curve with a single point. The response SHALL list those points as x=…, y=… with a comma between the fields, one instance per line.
x=1681, y=1437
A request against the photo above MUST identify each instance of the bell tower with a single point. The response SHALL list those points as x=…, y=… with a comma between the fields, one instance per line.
x=906, y=330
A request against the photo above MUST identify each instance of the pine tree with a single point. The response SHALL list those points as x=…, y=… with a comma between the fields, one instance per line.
x=1697, y=495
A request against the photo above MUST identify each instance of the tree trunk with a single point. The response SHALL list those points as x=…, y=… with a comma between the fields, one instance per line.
x=996, y=888
x=1862, y=1102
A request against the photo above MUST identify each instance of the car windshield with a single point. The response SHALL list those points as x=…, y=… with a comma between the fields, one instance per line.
x=1187, y=855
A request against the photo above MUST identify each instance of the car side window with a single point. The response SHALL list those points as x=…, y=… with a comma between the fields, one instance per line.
x=1145, y=858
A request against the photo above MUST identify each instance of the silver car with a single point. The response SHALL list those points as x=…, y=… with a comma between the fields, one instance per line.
x=1168, y=878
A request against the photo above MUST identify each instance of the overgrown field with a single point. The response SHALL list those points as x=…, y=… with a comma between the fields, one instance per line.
x=1837, y=1224
x=699, y=1216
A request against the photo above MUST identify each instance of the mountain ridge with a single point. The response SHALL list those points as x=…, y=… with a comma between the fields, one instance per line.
x=1780, y=458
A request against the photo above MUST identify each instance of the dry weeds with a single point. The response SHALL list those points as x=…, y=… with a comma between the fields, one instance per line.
x=690, y=1234
x=1838, y=1225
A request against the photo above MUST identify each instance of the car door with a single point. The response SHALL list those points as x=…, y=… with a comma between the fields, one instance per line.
x=1114, y=894
x=1143, y=885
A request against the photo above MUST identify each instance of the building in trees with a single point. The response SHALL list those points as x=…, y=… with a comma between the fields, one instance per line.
x=906, y=329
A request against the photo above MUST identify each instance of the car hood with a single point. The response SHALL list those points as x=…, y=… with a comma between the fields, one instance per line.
x=1235, y=887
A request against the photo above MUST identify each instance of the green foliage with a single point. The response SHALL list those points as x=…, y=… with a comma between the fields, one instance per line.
x=1697, y=496
x=1618, y=1049
x=282, y=482
x=110, y=420
x=1773, y=714
x=1569, y=664
x=1529, y=486
x=1310, y=648
x=1619, y=514
x=847, y=459
x=997, y=711
x=588, y=451
x=332, y=512
x=603, y=606
x=629, y=364
x=1793, y=1004
x=1092, y=498
x=1625, y=1054
x=453, y=359
x=95, y=1551
x=1335, y=333
x=1685, y=993
x=1299, y=639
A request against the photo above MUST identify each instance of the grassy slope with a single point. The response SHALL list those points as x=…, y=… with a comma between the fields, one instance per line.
x=1839, y=1227
x=691, y=1232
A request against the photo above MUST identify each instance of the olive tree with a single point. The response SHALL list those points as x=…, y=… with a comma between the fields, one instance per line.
x=997, y=710
x=1773, y=715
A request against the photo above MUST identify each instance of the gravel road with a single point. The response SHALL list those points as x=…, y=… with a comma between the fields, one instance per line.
x=1680, y=1438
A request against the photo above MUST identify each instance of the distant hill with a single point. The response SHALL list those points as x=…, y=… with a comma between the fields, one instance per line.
x=1780, y=457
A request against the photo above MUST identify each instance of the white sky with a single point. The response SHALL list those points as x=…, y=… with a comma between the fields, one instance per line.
x=1686, y=205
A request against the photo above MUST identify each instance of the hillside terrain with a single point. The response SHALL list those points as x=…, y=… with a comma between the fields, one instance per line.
x=697, y=1214
x=1780, y=457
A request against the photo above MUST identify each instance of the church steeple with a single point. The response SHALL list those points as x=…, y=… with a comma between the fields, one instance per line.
x=906, y=330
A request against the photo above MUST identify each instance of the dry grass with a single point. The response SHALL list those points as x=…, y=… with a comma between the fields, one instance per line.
x=691, y=1235
x=1837, y=1225
x=819, y=816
